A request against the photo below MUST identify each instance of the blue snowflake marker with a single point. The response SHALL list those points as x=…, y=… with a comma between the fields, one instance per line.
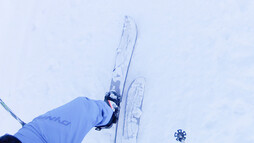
x=180, y=135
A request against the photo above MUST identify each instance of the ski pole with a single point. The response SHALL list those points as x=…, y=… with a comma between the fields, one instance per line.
x=12, y=114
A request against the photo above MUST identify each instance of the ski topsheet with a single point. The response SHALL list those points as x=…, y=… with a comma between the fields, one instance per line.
x=133, y=110
x=122, y=62
x=124, y=55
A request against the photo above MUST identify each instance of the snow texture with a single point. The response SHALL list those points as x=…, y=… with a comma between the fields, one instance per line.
x=197, y=57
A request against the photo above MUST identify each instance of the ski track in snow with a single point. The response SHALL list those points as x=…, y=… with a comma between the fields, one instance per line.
x=197, y=57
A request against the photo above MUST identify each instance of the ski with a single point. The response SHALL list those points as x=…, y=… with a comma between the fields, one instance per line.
x=123, y=58
x=133, y=110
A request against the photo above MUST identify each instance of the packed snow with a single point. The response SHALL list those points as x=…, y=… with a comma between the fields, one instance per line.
x=197, y=57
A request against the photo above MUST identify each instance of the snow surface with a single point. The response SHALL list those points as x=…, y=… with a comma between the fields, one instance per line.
x=197, y=57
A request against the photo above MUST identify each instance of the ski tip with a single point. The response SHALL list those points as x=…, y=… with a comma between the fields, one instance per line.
x=140, y=80
x=129, y=19
x=129, y=23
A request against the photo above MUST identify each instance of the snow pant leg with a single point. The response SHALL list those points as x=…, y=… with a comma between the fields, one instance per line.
x=89, y=113
x=67, y=123
x=103, y=113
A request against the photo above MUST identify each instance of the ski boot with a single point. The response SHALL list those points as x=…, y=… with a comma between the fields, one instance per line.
x=113, y=100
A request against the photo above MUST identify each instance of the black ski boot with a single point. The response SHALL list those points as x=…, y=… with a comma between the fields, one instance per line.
x=113, y=100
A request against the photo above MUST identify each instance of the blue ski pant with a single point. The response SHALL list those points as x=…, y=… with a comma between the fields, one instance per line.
x=66, y=124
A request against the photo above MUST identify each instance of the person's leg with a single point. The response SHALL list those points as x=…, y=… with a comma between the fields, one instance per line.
x=84, y=113
x=67, y=123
